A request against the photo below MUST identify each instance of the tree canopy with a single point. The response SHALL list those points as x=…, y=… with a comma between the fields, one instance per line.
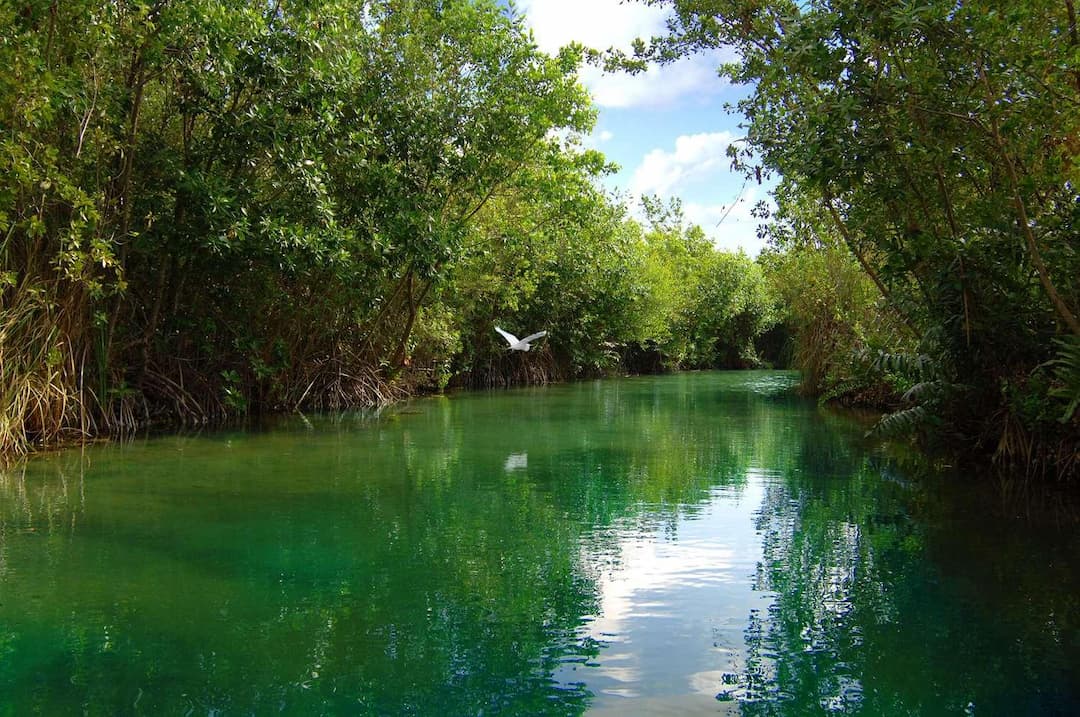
x=210, y=208
x=933, y=143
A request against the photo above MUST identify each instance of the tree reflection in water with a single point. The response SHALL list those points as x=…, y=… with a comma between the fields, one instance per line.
x=492, y=554
x=895, y=596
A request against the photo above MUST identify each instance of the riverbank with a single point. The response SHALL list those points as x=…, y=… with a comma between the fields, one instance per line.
x=870, y=406
x=358, y=389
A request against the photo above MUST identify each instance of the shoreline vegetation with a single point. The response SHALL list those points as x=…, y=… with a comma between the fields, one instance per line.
x=211, y=209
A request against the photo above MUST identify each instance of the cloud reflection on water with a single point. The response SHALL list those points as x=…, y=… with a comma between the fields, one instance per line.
x=673, y=600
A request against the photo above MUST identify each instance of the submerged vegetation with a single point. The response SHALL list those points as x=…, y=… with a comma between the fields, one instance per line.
x=210, y=208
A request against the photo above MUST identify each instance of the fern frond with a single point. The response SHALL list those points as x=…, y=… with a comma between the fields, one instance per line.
x=913, y=365
x=924, y=390
x=900, y=423
x=1067, y=373
x=839, y=390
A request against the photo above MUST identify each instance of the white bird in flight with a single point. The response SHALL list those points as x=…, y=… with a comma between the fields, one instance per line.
x=517, y=344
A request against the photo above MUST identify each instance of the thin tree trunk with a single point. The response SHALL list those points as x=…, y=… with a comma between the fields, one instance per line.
x=414, y=307
x=850, y=241
x=1059, y=304
x=1074, y=39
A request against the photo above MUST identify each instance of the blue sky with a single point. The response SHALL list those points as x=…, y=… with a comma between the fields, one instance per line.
x=666, y=128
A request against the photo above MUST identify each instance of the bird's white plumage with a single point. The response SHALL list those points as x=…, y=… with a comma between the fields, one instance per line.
x=511, y=339
x=533, y=337
x=517, y=344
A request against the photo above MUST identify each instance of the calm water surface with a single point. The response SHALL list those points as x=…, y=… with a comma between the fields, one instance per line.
x=692, y=544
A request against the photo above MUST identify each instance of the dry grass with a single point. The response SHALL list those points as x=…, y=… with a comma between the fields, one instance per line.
x=513, y=368
x=46, y=399
x=40, y=400
x=339, y=381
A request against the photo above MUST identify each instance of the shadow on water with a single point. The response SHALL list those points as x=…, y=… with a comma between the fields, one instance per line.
x=692, y=543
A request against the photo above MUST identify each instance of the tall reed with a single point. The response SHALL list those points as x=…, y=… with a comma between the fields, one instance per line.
x=40, y=397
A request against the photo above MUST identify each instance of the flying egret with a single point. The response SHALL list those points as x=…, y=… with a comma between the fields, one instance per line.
x=520, y=344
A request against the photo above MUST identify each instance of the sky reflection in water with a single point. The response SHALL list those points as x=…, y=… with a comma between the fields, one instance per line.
x=702, y=543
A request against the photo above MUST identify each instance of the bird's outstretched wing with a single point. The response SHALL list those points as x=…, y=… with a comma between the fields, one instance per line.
x=534, y=337
x=508, y=336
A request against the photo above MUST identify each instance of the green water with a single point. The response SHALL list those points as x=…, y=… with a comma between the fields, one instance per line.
x=700, y=543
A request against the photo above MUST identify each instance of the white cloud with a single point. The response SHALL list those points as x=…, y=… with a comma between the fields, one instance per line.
x=694, y=77
x=729, y=227
x=695, y=157
x=701, y=161
x=572, y=140
x=603, y=24
x=597, y=138
x=599, y=24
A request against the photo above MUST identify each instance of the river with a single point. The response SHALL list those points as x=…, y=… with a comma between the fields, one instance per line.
x=702, y=543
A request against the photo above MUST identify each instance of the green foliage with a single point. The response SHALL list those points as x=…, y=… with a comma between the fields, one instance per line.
x=36, y=397
x=935, y=143
x=252, y=201
x=1067, y=374
x=930, y=390
x=833, y=314
x=555, y=254
x=704, y=308
x=232, y=395
x=434, y=343
x=209, y=208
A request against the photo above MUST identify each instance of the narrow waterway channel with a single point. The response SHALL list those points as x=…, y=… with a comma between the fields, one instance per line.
x=699, y=543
